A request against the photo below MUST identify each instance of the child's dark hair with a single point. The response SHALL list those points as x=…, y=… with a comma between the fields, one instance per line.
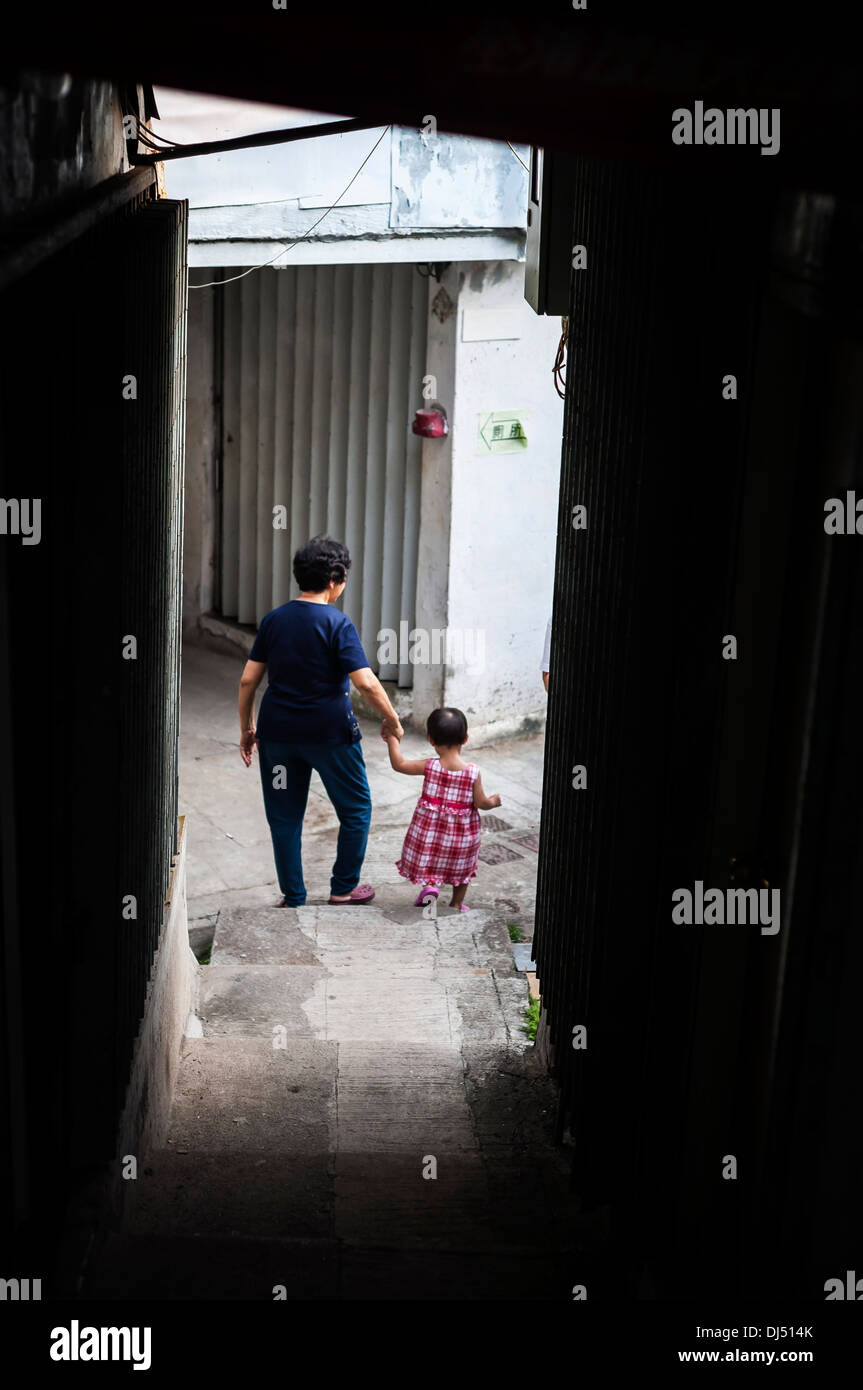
x=447, y=728
x=320, y=561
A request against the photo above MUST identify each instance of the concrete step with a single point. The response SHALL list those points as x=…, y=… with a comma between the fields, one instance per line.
x=360, y=1142
x=261, y=936
x=254, y=1195
x=257, y=1000
x=385, y=1202
x=445, y=982
x=254, y=935
x=241, y=1095
x=377, y=1200
x=412, y=997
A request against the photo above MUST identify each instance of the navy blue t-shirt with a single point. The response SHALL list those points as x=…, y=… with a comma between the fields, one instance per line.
x=309, y=649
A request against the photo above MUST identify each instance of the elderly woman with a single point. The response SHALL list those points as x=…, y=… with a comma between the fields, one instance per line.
x=309, y=650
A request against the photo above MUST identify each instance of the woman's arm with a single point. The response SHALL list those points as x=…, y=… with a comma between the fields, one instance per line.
x=414, y=767
x=480, y=800
x=366, y=682
x=253, y=674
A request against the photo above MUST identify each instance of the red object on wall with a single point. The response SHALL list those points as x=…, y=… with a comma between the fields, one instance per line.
x=432, y=422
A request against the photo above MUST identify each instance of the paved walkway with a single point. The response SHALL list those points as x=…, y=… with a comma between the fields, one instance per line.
x=230, y=855
x=364, y=1116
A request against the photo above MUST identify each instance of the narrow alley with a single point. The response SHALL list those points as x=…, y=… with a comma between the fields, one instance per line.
x=499, y=367
x=345, y=1053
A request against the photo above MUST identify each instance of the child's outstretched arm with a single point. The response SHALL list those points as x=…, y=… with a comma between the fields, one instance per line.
x=414, y=767
x=480, y=800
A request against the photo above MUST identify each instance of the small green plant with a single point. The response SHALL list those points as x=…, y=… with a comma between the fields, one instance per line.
x=514, y=933
x=531, y=1019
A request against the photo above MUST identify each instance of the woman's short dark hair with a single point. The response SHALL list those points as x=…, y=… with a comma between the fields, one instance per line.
x=321, y=560
x=447, y=728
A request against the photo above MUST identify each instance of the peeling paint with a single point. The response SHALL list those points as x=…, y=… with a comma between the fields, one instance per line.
x=456, y=181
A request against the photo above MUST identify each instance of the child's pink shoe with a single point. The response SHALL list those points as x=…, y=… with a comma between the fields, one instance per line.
x=430, y=891
x=462, y=907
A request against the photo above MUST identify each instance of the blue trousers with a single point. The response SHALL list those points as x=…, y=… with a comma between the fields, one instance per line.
x=286, y=770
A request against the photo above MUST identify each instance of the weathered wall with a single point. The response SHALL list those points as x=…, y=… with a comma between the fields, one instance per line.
x=416, y=197
x=432, y=605
x=171, y=1003
x=113, y=298
x=487, y=568
x=60, y=135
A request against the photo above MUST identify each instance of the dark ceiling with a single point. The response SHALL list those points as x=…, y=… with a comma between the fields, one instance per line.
x=602, y=81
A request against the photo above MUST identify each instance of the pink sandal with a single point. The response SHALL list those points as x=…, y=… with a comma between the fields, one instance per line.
x=429, y=892
x=363, y=893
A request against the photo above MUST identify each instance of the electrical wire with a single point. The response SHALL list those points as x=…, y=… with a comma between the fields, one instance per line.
x=164, y=141
x=151, y=145
x=285, y=249
x=558, y=370
x=519, y=158
x=178, y=145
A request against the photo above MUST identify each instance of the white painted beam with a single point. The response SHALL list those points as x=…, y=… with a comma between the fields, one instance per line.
x=416, y=249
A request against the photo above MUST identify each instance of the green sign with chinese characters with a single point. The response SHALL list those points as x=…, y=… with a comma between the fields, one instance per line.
x=502, y=432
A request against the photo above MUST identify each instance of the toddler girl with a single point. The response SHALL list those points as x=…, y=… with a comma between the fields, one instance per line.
x=443, y=839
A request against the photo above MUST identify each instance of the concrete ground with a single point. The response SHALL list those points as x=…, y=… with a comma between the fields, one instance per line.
x=230, y=854
x=363, y=1115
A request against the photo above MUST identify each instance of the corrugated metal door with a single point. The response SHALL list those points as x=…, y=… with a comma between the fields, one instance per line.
x=322, y=370
x=638, y=691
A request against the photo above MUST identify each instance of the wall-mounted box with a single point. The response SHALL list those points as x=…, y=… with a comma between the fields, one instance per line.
x=548, y=253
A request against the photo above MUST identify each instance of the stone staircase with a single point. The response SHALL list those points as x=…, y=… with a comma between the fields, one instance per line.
x=345, y=1052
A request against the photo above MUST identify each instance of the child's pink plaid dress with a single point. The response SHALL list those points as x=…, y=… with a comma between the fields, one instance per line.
x=443, y=839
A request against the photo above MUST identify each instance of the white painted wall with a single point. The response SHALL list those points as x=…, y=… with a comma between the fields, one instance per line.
x=308, y=171
x=487, y=554
x=418, y=196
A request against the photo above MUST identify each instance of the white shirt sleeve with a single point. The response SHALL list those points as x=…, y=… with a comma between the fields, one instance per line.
x=546, y=651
